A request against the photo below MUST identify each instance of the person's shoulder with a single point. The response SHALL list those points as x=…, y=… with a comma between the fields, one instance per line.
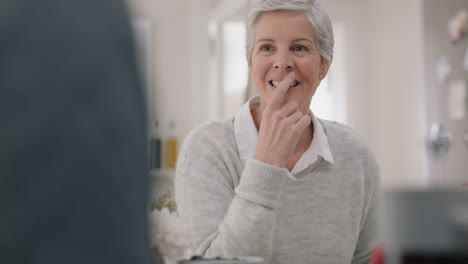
x=211, y=131
x=341, y=131
x=348, y=144
x=208, y=138
x=344, y=137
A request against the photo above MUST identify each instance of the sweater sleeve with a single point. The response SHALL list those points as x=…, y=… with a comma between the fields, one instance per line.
x=369, y=235
x=227, y=221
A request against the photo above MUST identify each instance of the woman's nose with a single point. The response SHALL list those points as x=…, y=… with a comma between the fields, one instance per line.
x=283, y=61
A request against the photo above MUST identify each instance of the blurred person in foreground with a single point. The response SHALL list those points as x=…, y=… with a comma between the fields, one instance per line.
x=73, y=174
x=276, y=181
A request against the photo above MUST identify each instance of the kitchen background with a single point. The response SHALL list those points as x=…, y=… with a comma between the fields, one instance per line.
x=399, y=75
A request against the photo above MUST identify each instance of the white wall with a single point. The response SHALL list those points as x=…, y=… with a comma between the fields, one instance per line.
x=200, y=101
x=179, y=60
x=385, y=82
x=179, y=68
x=396, y=90
x=350, y=15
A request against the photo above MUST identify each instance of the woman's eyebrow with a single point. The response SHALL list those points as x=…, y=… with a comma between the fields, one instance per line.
x=302, y=39
x=267, y=40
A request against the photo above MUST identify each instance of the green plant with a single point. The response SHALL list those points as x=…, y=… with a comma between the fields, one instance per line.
x=165, y=200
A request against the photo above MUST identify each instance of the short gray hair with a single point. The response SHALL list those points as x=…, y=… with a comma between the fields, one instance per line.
x=317, y=17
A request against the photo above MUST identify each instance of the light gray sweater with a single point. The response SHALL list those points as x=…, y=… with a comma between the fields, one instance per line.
x=329, y=216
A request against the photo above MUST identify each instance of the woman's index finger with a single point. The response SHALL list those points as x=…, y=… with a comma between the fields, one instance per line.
x=277, y=98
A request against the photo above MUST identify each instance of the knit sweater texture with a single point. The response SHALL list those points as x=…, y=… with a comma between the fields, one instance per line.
x=327, y=217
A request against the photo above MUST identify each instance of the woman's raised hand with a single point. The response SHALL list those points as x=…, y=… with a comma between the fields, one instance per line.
x=281, y=127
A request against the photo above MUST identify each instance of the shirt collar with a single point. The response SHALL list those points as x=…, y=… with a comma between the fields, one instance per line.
x=247, y=135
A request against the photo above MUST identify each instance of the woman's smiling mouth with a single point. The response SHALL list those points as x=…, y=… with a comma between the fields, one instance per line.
x=276, y=83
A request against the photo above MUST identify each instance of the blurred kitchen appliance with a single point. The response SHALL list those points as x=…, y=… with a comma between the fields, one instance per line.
x=426, y=226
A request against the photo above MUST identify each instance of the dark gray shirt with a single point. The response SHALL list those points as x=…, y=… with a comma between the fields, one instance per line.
x=73, y=171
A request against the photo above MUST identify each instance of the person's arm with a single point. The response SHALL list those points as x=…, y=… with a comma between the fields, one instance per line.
x=224, y=221
x=369, y=234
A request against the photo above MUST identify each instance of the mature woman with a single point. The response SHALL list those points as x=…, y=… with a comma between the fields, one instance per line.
x=276, y=181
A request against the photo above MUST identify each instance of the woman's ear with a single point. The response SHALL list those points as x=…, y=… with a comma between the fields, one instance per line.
x=325, y=69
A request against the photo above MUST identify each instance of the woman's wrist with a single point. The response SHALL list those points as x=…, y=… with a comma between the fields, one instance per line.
x=274, y=161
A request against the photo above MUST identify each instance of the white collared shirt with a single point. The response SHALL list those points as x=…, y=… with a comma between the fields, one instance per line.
x=247, y=135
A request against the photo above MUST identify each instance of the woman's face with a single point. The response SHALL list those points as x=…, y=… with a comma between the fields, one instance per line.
x=285, y=42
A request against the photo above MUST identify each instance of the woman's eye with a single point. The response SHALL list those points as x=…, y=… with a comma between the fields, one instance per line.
x=266, y=48
x=300, y=48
